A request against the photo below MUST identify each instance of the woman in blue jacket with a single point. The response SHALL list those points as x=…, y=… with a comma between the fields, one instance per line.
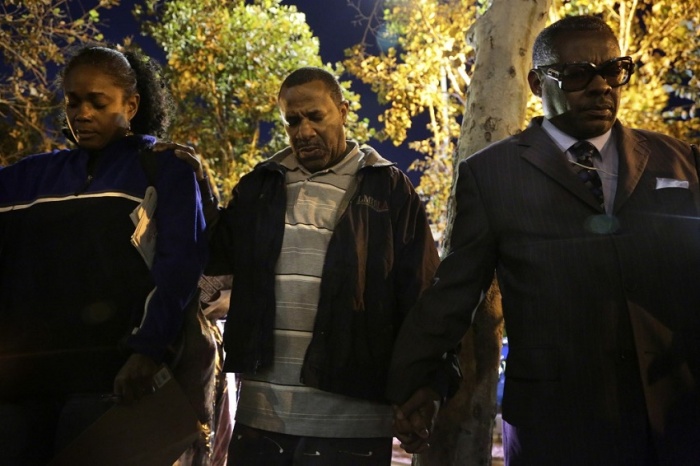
x=81, y=310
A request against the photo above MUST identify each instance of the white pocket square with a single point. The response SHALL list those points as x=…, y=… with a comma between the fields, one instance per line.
x=662, y=183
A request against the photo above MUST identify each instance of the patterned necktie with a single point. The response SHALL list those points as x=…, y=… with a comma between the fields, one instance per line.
x=584, y=151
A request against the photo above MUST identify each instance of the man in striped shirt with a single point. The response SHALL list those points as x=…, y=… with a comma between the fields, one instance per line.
x=330, y=247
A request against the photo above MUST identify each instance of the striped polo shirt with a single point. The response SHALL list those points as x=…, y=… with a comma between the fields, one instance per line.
x=274, y=399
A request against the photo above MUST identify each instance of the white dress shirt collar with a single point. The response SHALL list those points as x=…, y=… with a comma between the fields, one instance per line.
x=565, y=141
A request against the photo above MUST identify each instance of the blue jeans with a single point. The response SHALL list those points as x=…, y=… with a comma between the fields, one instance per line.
x=251, y=446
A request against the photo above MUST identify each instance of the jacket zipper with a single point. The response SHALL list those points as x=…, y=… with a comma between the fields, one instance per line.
x=92, y=161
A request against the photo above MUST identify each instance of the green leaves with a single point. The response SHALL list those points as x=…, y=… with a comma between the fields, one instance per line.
x=226, y=62
x=423, y=73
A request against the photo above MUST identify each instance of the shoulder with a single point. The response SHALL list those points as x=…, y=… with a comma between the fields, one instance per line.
x=387, y=171
x=533, y=136
x=33, y=175
x=661, y=148
x=168, y=161
x=40, y=163
x=164, y=163
x=271, y=166
x=44, y=158
x=506, y=148
x=372, y=158
x=266, y=177
x=654, y=138
x=386, y=180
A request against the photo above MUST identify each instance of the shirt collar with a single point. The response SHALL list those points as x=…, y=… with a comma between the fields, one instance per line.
x=565, y=141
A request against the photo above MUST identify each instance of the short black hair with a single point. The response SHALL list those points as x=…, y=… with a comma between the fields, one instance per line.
x=134, y=72
x=309, y=74
x=544, y=50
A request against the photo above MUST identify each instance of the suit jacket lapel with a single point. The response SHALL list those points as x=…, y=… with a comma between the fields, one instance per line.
x=633, y=157
x=542, y=152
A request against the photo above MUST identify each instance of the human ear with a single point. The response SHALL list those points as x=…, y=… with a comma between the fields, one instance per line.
x=535, y=82
x=132, y=105
x=344, y=108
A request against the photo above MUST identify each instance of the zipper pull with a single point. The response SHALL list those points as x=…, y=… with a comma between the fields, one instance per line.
x=91, y=162
x=85, y=185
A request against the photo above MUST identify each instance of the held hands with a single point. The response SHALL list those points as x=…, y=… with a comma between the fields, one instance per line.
x=414, y=420
x=135, y=378
x=186, y=153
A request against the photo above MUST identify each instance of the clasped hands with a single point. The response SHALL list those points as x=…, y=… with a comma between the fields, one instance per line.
x=414, y=420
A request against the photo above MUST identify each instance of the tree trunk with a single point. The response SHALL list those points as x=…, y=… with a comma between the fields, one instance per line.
x=495, y=109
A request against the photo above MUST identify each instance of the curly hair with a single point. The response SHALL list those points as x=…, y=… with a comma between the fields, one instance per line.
x=544, y=50
x=135, y=73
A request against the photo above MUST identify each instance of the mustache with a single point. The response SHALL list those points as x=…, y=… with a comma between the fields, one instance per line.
x=601, y=105
x=309, y=146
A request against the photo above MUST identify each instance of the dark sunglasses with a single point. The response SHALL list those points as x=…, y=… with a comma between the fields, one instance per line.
x=576, y=76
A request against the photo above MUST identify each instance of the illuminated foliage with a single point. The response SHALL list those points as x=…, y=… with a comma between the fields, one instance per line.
x=226, y=62
x=426, y=70
x=428, y=66
x=34, y=38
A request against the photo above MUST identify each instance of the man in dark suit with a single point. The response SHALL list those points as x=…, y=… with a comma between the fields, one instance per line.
x=597, y=266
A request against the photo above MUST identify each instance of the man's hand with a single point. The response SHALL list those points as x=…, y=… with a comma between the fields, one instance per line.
x=135, y=378
x=414, y=420
x=186, y=153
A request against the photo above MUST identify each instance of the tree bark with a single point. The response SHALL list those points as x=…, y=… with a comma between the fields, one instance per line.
x=495, y=109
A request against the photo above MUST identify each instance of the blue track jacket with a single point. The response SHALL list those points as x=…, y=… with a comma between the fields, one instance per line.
x=76, y=298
